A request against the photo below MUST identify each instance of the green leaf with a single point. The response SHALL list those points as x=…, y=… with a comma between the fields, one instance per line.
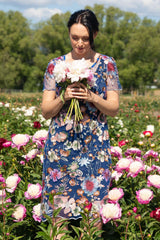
x=56, y=211
x=77, y=231
x=43, y=235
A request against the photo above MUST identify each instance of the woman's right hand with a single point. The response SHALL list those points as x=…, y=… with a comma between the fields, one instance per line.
x=72, y=88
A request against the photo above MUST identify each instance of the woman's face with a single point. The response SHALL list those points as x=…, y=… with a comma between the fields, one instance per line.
x=79, y=37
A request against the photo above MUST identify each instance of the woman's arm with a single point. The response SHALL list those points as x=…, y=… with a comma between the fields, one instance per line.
x=110, y=106
x=50, y=104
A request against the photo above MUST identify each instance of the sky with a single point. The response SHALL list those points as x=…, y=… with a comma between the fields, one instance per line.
x=41, y=10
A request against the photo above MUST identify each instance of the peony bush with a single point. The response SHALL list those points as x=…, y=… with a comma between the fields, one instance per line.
x=131, y=209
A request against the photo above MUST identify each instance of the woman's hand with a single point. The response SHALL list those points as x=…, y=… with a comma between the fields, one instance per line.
x=78, y=91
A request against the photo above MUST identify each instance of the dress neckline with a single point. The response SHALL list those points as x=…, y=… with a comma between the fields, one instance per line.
x=93, y=65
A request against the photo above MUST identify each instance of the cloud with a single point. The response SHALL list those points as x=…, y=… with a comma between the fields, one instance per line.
x=141, y=7
x=34, y=3
x=42, y=8
x=39, y=14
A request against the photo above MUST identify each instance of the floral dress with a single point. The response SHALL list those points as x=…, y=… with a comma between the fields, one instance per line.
x=77, y=160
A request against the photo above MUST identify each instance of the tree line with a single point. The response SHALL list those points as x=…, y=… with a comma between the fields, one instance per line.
x=25, y=50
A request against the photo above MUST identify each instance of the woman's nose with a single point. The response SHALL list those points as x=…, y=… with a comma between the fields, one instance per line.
x=80, y=41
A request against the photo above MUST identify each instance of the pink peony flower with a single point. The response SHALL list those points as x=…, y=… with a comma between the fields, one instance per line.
x=148, y=133
x=20, y=213
x=123, y=164
x=144, y=196
x=20, y=140
x=155, y=214
x=148, y=169
x=2, y=179
x=121, y=143
x=40, y=137
x=37, y=212
x=134, y=168
x=150, y=154
x=110, y=211
x=115, y=194
x=155, y=167
x=133, y=151
x=2, y=141
x=116, y=152
x=153, y=180
x=7, y=144
x=34, y=191
x=12, y=182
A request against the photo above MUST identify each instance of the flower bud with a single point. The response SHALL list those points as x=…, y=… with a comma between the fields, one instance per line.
x=88, y=207
x=134, y=209
x=138, y=217
x=129, y=213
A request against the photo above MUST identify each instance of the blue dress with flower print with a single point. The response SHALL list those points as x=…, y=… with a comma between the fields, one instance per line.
x=77, y=161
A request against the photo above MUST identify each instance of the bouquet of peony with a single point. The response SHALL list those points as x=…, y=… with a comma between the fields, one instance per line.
x=66, y=74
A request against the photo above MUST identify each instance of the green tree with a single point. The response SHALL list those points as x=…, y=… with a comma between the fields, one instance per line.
x=16, y=51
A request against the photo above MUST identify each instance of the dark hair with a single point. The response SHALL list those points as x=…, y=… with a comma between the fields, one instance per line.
x=87, y=18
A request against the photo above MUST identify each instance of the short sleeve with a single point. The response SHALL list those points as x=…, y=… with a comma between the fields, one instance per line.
x=49, y=81
x=112, y=77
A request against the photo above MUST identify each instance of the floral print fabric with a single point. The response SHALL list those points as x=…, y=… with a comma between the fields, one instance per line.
x=77, y=159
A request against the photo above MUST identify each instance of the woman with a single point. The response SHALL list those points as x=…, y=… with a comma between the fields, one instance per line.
x=79, y=152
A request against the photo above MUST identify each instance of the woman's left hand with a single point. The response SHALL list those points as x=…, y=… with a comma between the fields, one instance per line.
x=82, y=92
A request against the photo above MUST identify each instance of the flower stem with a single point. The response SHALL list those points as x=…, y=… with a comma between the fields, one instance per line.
x=141, y=231
x=127, y=229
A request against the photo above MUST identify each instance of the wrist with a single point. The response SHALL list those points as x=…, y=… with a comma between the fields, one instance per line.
x=94, y=98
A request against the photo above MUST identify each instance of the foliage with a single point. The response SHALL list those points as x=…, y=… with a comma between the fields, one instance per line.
x=25, y=51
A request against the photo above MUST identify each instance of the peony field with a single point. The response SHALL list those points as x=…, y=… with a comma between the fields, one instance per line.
x=132, y=211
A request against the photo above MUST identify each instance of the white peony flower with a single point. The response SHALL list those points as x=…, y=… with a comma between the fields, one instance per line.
x=134, y=168
x=11, y=183
x=110, y=211
x=20, y=140
x=144, y=196
x=33, y=191
x=7, y=104
x=153, y=180
x=20, y=213
x=115, y=194
x=150, y=128
x=37, y=212
x=40, y=134
x=123, y=164
x=31, y=154
x=28, y=113
x=60, y=71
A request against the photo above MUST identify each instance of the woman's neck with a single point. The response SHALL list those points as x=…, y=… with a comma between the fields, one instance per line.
x=90, y=57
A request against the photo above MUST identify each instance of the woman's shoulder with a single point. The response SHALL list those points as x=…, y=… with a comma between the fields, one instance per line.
x=107, y=58
x=56, y=59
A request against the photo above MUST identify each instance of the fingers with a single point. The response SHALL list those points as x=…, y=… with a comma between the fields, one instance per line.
x=77, y=90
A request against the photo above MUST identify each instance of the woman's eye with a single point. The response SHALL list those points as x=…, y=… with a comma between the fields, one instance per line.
x=85, y=39
x=75, y=38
